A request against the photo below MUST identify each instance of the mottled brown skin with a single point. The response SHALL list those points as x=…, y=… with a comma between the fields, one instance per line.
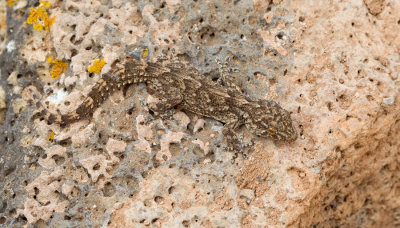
x=176, y=84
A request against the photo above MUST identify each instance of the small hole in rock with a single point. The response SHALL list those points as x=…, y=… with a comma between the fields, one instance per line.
x=74, y=52
x=96, y=167
x=12, y=212
x=154, y=220
x=108, y=190
x=171, y=189
x=36, y=190
x=3, y=207
x=158, y=199
x=185, y=223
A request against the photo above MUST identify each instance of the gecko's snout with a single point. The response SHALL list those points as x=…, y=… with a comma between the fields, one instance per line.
x=269, y=120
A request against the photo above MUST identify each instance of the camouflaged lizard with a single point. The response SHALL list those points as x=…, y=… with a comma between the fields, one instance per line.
x=179, y=85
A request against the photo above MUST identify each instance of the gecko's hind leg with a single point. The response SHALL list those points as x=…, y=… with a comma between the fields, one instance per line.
x=232, y=139
x=226, y=75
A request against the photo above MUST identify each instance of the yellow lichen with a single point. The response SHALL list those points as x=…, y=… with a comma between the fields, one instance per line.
x=39, y=17
x=145, y=52
x=11, y=3
x=97, y=66
x=45, y=4
x=51, y=137
x=58, y=68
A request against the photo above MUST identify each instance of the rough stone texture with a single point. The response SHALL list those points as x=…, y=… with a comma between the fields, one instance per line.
x=334, y=65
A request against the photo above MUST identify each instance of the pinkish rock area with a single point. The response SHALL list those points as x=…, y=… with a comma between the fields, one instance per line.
x=335, y=65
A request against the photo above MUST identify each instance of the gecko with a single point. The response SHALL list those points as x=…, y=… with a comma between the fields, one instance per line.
x=180, y=85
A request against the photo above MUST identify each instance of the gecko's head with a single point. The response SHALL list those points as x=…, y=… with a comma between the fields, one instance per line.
x=268, y=119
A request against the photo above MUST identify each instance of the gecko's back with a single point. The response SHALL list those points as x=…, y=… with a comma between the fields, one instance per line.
x=178, y=84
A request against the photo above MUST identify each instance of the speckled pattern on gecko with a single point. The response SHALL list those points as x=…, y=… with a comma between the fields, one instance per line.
x=177, y=84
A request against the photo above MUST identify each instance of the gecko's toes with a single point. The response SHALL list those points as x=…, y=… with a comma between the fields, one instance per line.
x=234, y=145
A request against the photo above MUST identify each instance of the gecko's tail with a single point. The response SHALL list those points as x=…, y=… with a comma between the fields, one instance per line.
x=52, y=118
x=33, y=96
x=99, y=92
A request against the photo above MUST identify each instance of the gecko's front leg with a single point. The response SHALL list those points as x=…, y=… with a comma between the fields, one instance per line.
x=232, y=140
x=226, y=78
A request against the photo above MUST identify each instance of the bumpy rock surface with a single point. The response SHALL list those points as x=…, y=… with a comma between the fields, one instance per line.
x=335, y=66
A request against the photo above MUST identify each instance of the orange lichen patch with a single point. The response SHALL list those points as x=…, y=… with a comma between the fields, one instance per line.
x=97, y=66
x=58, y=68
x=145, y=52
x=11, y=3
x=51, y=137
x=39, y=17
